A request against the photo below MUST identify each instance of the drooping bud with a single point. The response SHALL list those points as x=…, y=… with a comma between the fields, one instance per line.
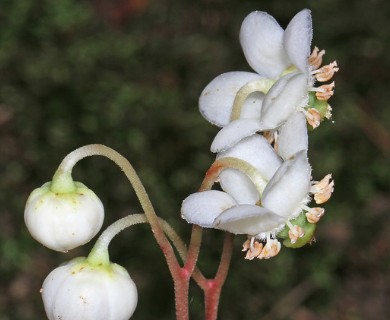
x=63, y=218
x=80, y=290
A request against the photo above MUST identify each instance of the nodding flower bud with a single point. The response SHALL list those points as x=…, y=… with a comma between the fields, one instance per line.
x=63, y=219
x=81, y=290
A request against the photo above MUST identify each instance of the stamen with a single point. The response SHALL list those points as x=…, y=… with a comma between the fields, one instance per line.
x=325, y=91
x=271, y=249
x=313, y=117
x=295, y=232
x=246, y=245
x=255, y=252
x=314, y=214
x=315, y=59
x=323, y=189
x=326, y=72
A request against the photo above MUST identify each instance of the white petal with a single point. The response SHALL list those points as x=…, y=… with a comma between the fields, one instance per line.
x=289, y=187
x=293, y=136
x=261, y=40
x=248, y=219
x=297, y=39
x=234, y=132
x=251, y=108
x=202, y=208
x=239, y=186
x=216, y=100
x=285, y=96
x=257, y=152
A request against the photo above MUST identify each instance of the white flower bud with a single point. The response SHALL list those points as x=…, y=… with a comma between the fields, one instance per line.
x=63, y=220
x=80, y=290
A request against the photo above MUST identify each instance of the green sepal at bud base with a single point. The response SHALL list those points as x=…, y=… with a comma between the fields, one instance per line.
x=307, y=227
x=82, y=290
x=63, y=220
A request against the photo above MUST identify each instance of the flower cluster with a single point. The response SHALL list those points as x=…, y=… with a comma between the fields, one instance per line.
x=263, y=142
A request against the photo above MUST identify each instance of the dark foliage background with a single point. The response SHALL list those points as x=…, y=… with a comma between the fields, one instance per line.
x=128, y=73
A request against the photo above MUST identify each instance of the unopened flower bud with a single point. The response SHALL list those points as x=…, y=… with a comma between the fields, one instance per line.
x=80, y=290
x=63, y=220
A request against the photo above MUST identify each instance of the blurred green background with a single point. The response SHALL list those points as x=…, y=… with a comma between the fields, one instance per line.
x=128, y=74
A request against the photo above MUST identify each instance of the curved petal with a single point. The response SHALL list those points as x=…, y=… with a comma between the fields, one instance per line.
x=202, y=208
x=251, y=108
x=289, y=187
x=216, y=100
x=261, y=40
x=293, y=135
x=297, y=39
x=234, y=132
x=257, y=152
x=285, y=96
x=248, y=219
x=239, y=186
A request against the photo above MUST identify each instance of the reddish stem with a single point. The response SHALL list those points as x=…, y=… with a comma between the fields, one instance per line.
x=181, y=276
x=213, y=289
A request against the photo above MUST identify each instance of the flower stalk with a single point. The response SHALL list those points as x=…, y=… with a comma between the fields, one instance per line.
x=180, y=278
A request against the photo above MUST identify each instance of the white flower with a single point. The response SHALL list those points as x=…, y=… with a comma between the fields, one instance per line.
x=270, y=50
x=274, y=53
x=281, y=201
x=79, y=290
x=243, y=102
x=63, y=220
x=258, y=159
x=266, y=179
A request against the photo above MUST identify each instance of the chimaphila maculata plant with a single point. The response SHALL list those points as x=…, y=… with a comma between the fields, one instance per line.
x=261, y=165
